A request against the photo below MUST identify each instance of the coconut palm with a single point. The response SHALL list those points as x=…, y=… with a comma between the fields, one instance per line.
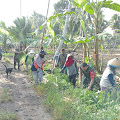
x=115, y=23
x=21, y=31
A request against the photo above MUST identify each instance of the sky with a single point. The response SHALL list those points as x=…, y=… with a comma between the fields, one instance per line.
x=10, y=9
x=108, y=12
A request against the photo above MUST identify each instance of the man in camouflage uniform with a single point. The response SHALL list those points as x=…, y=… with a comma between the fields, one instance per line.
x=62, y=58
x=16, y=58
x=86, y=76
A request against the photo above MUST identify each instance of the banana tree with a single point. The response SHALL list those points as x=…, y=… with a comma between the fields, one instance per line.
x=95, y=9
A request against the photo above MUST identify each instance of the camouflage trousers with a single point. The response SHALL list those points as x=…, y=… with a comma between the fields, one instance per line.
x=16, y=61
x=0, y=56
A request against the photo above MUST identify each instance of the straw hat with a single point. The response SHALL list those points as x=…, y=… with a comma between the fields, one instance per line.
x=32, y=52
x=114, y=63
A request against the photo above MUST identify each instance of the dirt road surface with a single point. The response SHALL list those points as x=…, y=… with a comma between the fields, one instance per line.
x=24, y=101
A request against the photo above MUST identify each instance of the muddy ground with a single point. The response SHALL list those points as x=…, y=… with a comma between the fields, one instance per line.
x=24, y=101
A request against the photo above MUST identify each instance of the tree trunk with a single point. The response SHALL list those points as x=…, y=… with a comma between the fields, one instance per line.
x=84, y=45
x=84, y=52
x=96, y=44
x=74, y=49
x=65, y=28
x=96, y=55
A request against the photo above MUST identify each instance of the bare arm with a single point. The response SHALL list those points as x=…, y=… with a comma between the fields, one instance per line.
x=91, y=83
x=92, y=75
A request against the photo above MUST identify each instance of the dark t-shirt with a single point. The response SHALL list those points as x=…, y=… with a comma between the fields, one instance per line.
x=16, y=50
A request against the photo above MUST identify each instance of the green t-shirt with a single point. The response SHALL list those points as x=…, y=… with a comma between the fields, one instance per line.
x=29, y=59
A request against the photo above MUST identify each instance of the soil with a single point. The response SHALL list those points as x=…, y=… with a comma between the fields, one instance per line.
x=24, y=100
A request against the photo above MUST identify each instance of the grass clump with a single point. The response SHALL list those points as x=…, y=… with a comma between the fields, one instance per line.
x=8, y=54
x=8, y=116
x=6, y=60
x=5, y=95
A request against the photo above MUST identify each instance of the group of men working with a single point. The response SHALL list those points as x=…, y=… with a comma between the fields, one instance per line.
x=68, y=64
x=86, y=72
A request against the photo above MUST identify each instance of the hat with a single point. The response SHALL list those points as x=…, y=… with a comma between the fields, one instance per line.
x=32, y=52
x=42, y=52
x=114, y=63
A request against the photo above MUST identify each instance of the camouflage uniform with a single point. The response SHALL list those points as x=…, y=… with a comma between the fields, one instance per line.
x=16, y=59
x=87, y=75
x=62, y=59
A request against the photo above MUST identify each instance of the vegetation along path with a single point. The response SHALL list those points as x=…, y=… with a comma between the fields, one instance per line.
x=17, y=99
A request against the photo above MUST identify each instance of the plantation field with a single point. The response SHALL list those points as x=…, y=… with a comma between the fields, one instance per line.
x=59, y=97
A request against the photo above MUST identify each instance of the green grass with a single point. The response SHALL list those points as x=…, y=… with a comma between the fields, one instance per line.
x=5, y=95
x=8, y=54
x=6, y=60
x=6, y=116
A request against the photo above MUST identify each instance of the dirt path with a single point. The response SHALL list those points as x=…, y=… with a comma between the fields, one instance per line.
x=24, y=101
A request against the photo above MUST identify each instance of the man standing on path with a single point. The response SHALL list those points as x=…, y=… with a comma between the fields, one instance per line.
x=16, y=58
x=37, y=67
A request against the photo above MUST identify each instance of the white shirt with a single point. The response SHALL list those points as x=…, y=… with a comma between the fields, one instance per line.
x=104, y=80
